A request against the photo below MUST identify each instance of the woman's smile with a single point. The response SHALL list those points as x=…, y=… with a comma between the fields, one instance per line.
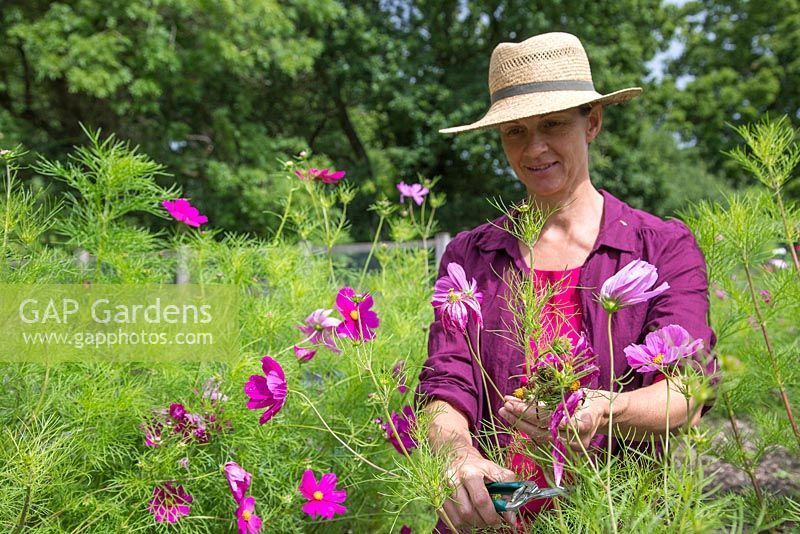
x=541, y=170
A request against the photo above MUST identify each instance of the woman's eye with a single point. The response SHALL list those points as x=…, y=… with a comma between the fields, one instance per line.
x=512, y=132
x=553, y=124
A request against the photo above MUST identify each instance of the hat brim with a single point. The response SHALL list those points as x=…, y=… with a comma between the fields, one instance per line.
x=530, y=104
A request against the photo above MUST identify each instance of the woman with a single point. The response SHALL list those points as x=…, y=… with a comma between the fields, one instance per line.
x=547, y=112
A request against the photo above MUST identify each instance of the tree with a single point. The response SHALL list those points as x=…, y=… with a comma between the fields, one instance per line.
x=739, y=62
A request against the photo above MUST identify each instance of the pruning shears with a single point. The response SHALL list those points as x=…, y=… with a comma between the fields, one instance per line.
x=521, y=492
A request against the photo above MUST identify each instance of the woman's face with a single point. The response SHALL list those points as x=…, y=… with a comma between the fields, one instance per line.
x=550, y=153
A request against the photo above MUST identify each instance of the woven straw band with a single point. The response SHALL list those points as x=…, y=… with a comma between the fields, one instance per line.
x=541, y=87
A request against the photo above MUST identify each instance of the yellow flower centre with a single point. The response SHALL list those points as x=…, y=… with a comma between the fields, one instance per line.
x=452, y=296
x=519, y=393
x=354, y=315
x=575, y=386
x=318, y=496
x=246, y=515
x=658, y=359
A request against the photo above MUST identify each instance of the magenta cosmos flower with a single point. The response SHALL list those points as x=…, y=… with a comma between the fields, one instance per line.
x=403, y=423
x=246, y=518
x=326, y=176
x=661, y=349
x=457, y=300
x=563, y=411
x=631, y=285
x=268, y=391
x=238, y=480
x=414, y=191
x=359, y=320
x=169, y=503
x=323, y=497
x=181, y=210
x=303, y=354
x=321, y=328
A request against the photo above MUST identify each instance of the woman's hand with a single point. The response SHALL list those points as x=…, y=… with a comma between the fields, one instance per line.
x=470, y=505
x=589, y=419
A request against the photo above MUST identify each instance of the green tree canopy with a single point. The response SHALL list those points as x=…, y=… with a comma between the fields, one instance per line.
x=221, y=91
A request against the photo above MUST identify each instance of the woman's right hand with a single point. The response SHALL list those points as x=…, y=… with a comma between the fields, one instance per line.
x=470, y=505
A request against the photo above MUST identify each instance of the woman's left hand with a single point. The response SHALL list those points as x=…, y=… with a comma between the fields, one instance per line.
x=589, y=419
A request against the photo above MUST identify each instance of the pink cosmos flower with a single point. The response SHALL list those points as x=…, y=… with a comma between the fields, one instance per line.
x=323, y=497
x=268, y=391
x=177, y=411
x=321, y=329
x=766, y=296
x=303, y=354
x=562, y=412
x=415, y=191
x=405, y=529
x=457, y=300
x=662, y=348
x=152, y=434
x=359, y=319
x=169, y=503
x=403, y=423
x=778, y=263
x=238, y=480
x=397, y=371
x=326, y=176
x=183, y=211
x=631, y=285
x=246, y=518
x=212, y=391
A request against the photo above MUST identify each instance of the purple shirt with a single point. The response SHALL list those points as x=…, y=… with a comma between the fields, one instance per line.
x=626, y=234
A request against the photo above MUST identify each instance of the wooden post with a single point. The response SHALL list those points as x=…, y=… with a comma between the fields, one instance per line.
x=440, y=242
x=182, y=275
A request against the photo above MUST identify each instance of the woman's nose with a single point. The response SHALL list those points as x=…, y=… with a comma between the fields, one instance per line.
x=535, y=145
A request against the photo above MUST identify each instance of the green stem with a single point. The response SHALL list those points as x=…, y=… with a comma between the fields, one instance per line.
x=23, y=516
x=611, y=388
x=340, y=440
x=447, y=521
x=44, y=390
x=385, y=403
x=285, y=215
x=328, y=244
x=666, y=449
x=7, y=224
x=788, y=233
x=371, y=249
x=480, y=364
x=747, y=466
x=772, y=358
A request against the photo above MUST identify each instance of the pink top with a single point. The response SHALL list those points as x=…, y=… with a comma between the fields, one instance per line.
x=569, y=307
x=567, y=302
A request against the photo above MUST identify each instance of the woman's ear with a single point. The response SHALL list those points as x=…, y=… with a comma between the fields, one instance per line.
x=594, y=123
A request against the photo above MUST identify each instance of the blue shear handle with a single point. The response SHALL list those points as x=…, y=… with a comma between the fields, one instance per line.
x=500, y=505
x=503, y=488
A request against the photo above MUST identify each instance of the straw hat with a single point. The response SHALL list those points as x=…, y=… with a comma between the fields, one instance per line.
x=543, y=74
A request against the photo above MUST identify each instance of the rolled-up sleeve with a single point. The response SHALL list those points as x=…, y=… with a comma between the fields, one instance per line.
x=448, y=373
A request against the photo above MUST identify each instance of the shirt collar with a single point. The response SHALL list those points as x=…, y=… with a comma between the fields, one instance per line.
x=618, y=227
x=617, y=230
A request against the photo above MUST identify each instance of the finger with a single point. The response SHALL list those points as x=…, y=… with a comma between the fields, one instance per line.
x=511, y=519
x=530, y=419
x=458, y=507
x=483, y=507
x=534, y=432
x=534, y=414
